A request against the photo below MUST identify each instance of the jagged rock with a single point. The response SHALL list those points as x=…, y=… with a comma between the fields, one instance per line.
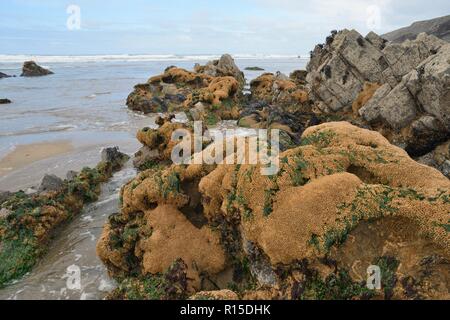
x=51, y=183
x=223, y=67
x=114, y=157
x=338, y=70
x=31, y=69
x=376, y=40
x=370, y=111
x=434, y=80
x=404, y=57
x=180, y=90
x=398, y=108
x=5, y=101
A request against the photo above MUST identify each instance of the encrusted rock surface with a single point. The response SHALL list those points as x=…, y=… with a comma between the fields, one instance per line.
x=340, y=183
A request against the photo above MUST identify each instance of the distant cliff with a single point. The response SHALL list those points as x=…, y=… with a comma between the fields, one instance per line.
x=439, y=27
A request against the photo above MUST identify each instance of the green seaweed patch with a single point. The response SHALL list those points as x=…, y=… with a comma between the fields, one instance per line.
x=388, y=267
x=321, y=139
x=18, y=255
x=336, y=286
x=172, y=285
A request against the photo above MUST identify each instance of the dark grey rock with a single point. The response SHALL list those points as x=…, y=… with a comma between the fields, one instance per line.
x=4, y=195
x=114, y=156
x=51, y=183
x=31, y=69
x=5, y=101
x=4, y=75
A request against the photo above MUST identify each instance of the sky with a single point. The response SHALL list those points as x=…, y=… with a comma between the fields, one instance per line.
x=83, y=27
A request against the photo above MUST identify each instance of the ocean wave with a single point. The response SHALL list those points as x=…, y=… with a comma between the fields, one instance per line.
x=129, y=57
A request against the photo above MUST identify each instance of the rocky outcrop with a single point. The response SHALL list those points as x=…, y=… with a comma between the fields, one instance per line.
x=51, y=183
x=212, y=92
x=299, y=232
x=399, y=90
x=28, y=221
x=278, y=89
x=157, y=144
x=31, y=69
x=438, y=27
x=223, y=67
x=5, y=101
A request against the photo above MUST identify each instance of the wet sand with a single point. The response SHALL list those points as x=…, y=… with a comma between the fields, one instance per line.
x=24, y=155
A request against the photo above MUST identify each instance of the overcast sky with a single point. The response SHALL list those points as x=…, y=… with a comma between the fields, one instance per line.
x=196, y=26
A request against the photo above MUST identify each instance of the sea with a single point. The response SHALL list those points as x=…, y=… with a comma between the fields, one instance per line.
x=84, y=103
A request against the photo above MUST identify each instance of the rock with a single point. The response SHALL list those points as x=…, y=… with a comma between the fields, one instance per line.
x=445, y=168
x=145, y=158
x=404, y=57
x=31, y=69
x=4, y=75
x=433, y=77
x=51, y=183
x=198, y=111
x=180, y=90
x=338, y=70
x=438, y=27
x=223, y=67
x=71, y=175
x=5, y=101
x=254, y=69
x=426, y=133
x=299, y=76
x=4, y=195
x=398, y=108
x=344, y=191
x=259, y=265
x=114, y=156
x=345, y=65
x=376, y=40
x=278, y=89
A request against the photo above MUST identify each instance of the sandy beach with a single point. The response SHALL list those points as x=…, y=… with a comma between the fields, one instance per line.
x=24, y=155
